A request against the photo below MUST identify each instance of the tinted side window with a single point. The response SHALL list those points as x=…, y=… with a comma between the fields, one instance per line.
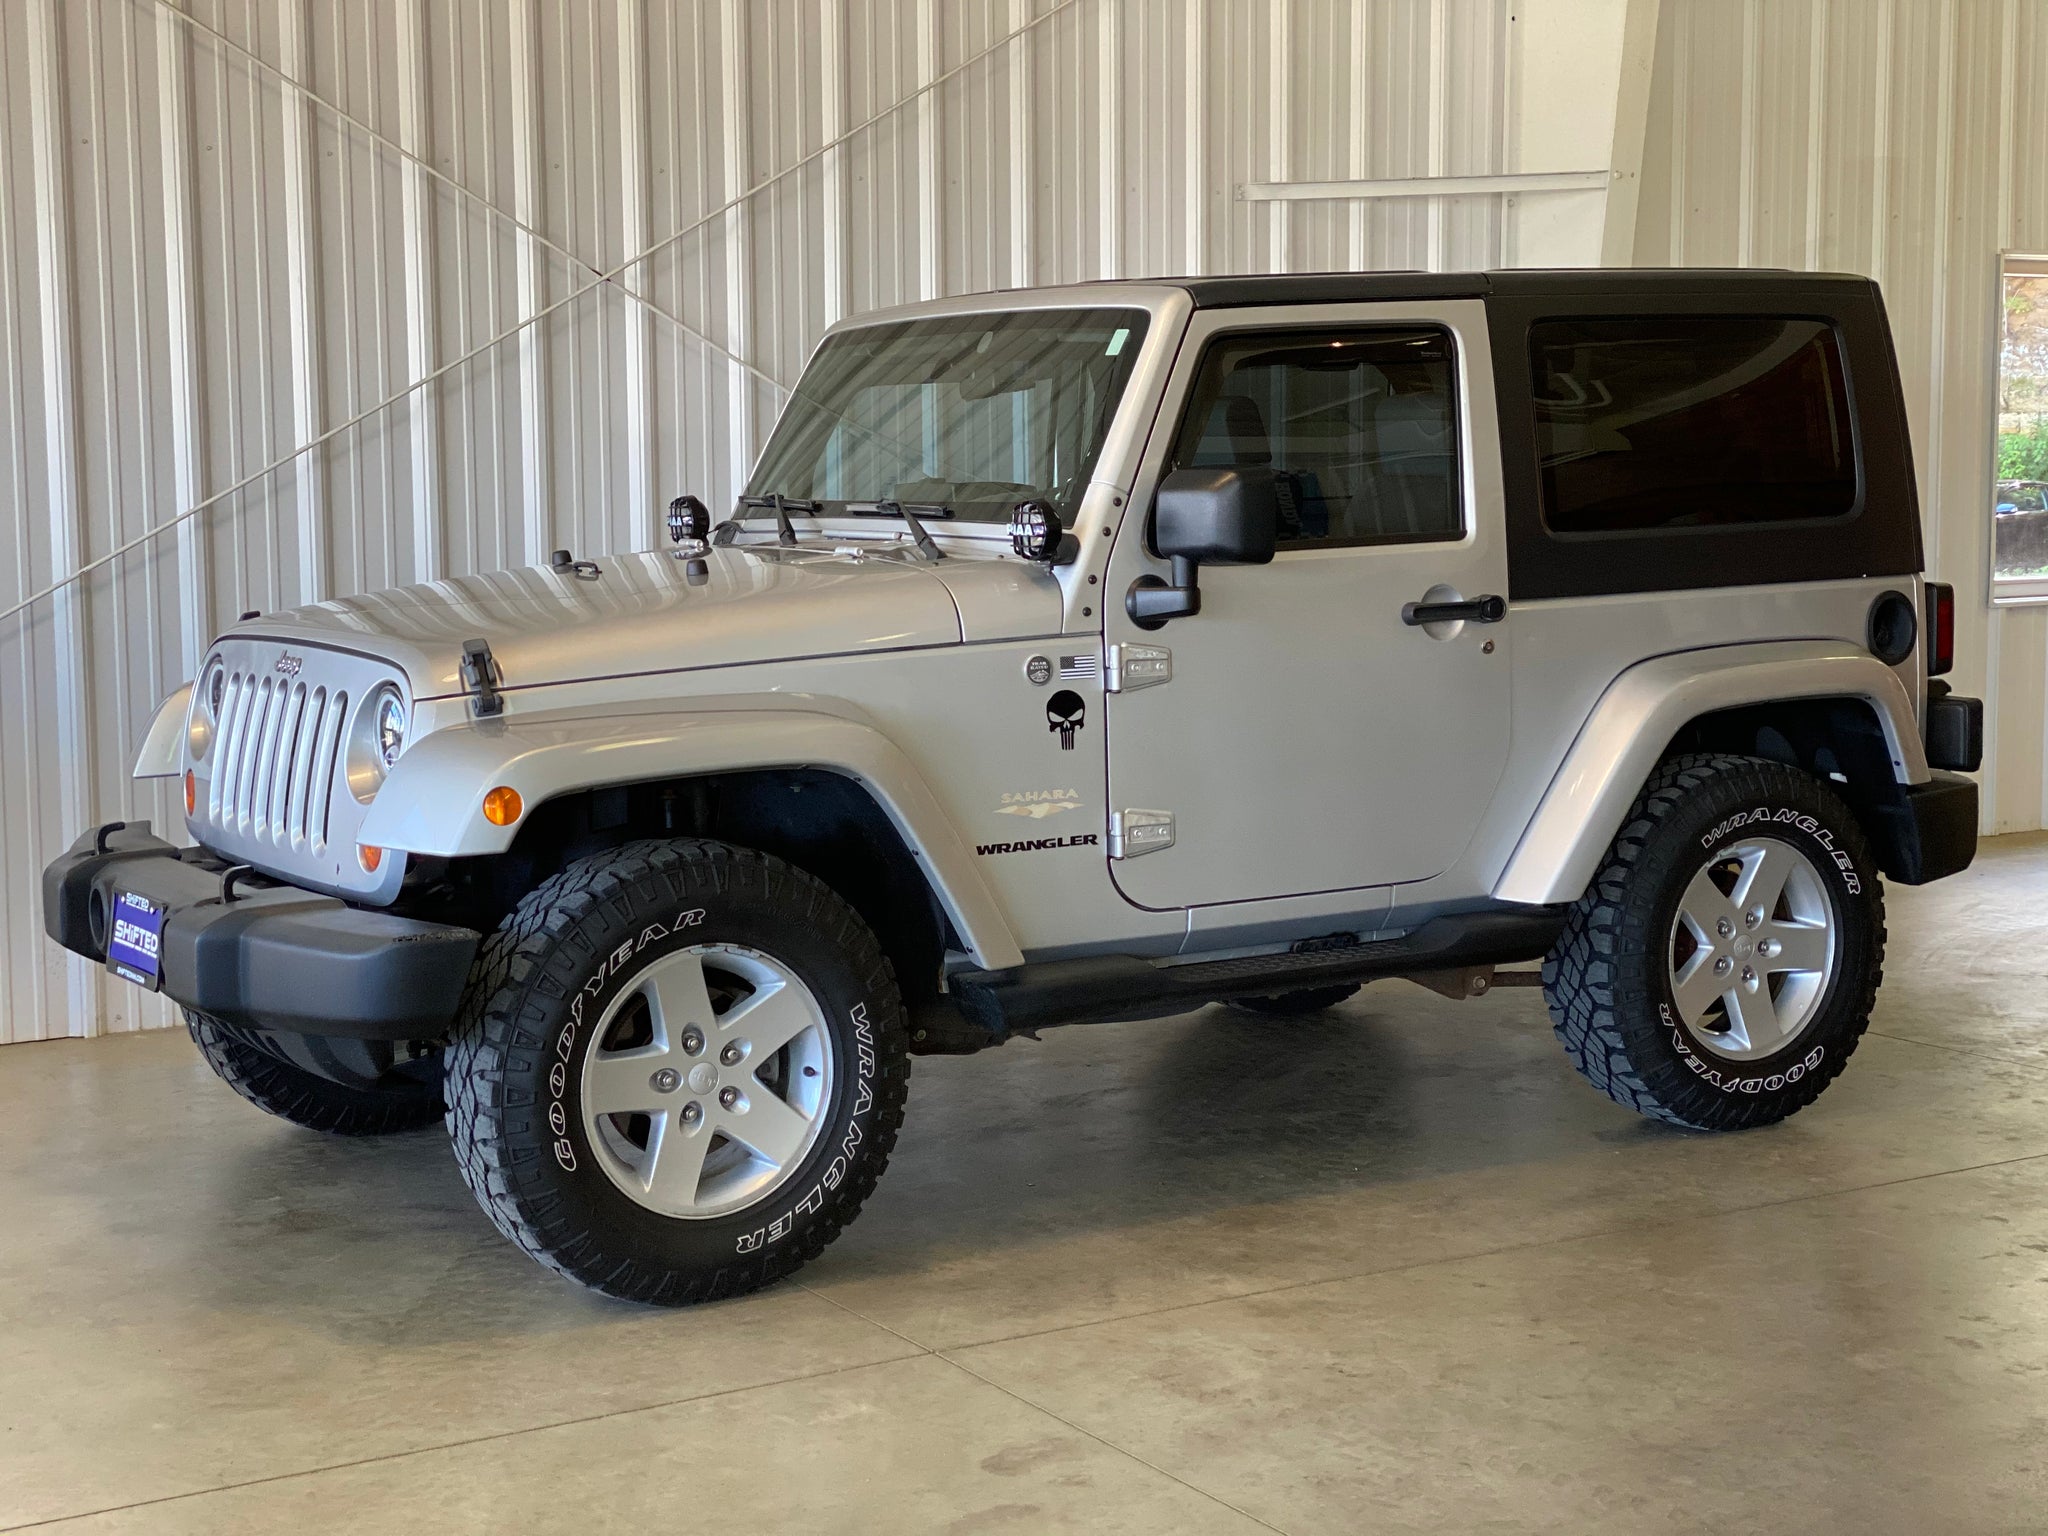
x=1359, y=427
x=1659, y=422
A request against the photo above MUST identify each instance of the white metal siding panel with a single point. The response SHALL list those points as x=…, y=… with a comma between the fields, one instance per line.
x=1903, y=139
x=231, y=230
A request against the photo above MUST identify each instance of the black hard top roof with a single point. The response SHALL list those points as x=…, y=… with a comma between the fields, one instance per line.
x=1563, y=282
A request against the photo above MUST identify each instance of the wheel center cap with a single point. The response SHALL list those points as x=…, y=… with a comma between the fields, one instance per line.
x=703, y=1077
x=1744, y=947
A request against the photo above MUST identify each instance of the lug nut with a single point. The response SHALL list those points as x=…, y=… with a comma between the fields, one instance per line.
x=1748, y=976
x=1768, y=947
x=731, y=1055
x=1753, y=916
x=693, y=1040
x=1723, y=966
x=728, y=1097
x=692, y=1112
x=667, y=1080
x=1724, y=927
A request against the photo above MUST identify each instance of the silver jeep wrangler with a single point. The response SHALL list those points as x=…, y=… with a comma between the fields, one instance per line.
x=1084, y=654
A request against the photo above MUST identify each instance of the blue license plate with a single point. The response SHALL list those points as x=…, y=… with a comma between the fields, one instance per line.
x=135, y=944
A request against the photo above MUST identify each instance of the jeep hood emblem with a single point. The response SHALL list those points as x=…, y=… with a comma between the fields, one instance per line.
x=289, y=664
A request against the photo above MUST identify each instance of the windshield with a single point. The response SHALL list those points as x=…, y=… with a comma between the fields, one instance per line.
x=970, y=412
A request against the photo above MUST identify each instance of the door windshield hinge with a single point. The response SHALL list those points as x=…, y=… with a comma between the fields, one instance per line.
x=1133, y=666
x=1132, y=833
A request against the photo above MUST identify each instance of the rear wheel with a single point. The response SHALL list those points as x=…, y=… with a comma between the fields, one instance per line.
x=1289, y=1005
x=679, y=1071
x=1723, y=965
x=404, y=1097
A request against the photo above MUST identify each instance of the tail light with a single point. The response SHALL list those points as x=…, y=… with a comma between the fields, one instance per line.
x=1941, y=627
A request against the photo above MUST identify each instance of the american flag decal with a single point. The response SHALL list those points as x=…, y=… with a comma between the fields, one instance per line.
x=1073, y=668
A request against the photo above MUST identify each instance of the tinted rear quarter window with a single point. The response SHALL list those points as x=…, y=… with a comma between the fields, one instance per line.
x=1647, y=422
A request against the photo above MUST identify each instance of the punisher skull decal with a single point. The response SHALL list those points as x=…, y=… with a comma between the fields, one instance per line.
x=1065, y=712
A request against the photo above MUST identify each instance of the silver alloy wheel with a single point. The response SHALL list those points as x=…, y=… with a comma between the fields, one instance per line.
x=1753, y=948
x=706, y=1082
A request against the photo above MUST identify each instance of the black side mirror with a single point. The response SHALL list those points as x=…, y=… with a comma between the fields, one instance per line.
x=1218, y=516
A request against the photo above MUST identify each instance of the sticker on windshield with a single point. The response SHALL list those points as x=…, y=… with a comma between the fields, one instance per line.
x=1116, y=342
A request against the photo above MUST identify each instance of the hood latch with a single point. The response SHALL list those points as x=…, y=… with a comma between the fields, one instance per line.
x=480, y=678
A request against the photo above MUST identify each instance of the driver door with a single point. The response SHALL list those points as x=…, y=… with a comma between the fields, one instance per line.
x=1308, y=739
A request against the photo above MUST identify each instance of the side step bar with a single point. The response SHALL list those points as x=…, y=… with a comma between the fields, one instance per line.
x=1042, y=994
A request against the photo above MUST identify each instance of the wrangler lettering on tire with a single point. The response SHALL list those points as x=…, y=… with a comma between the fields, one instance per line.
x=1722, y=966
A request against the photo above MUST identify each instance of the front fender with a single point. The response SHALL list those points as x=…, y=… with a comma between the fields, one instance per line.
x=1646, y=706
x=432, y=803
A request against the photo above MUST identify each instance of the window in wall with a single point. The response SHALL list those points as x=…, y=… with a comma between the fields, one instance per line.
x=2019, y=565
x=1669, y=422
x=1358, y=426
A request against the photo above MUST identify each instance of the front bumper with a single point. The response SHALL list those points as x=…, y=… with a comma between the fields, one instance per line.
x=276, y=958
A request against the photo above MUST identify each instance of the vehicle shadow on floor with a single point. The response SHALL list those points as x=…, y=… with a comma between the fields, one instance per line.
x=1088, y=1130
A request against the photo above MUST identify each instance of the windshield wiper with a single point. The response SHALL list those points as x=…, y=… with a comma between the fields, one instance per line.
x=927, y=546
x=785, y=531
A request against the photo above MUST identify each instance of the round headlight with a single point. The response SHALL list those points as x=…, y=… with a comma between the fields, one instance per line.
x=203, y=717
x=390, y=726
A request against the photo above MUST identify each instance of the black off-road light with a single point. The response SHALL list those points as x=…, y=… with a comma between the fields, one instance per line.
x=1035, y=530
x=689, y=521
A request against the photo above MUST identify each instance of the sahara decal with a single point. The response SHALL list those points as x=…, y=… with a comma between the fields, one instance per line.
x=1039, y=844
x=1039, y=803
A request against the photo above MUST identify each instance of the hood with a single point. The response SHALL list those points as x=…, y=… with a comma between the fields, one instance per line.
x=654, y=613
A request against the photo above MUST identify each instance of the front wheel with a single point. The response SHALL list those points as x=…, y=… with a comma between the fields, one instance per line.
x=678, y=1072
x=1723, y=965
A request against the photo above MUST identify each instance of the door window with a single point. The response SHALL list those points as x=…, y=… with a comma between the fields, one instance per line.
x=1358, y=426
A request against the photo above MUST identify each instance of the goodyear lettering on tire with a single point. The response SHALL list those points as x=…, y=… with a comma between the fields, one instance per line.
x=565, y=1042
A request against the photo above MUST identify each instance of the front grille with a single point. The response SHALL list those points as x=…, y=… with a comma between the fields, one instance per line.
x=276, y=747
x=273, y=787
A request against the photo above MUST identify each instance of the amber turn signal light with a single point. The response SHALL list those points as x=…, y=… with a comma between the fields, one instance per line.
x=369, y=855
x=502, y=806
x=191, y=792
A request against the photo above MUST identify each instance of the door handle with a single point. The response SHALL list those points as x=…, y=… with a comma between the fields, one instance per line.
x=1489, y=609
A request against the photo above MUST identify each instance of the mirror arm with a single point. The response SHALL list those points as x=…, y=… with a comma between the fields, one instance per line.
x=1151, y=602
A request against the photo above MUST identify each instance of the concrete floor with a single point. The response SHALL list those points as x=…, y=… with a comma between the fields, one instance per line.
x=1395, y=1269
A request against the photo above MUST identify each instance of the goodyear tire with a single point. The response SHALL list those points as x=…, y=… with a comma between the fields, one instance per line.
x=405, y=1099
x=1722, y=967
x=1294, y=1005
x=678, y=1071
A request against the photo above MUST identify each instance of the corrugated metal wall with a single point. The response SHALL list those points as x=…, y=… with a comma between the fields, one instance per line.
x=1907, y=139
x=237, y=227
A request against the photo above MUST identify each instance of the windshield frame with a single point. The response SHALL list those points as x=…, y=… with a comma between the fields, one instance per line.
x=1158, y=316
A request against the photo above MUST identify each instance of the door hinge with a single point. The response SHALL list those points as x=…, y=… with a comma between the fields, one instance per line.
x=1133, y=666
x=1132, y=833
